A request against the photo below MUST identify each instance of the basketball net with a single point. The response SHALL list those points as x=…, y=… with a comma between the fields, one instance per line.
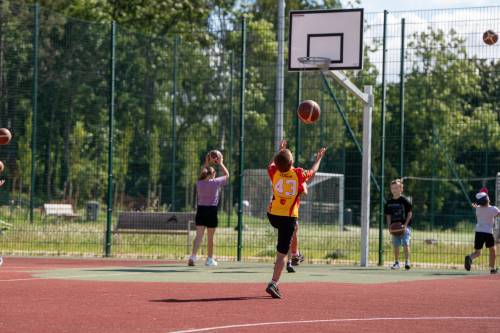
x=321, y=63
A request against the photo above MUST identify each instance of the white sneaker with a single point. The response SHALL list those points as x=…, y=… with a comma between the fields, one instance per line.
x=395, y=265
x=211, y=262
x=191, y=260
x=1, y=261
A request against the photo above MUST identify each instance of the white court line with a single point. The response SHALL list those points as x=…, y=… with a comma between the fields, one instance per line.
x=331, y=321
x=37, y=268
x=67, y=277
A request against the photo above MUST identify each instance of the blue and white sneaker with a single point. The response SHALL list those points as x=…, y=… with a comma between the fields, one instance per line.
x=211, y=262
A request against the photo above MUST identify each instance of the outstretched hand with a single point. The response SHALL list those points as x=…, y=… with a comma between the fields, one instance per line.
x=320, y=154
x=283, y=144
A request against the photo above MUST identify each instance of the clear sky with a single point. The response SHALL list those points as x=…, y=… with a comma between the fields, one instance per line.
x=404, y=5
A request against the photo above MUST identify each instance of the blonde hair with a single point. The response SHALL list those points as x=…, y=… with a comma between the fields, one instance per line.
x=205, y=172
x=283, y=160
x=397, y=181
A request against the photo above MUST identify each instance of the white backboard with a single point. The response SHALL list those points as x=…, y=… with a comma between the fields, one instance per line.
x=334, y=34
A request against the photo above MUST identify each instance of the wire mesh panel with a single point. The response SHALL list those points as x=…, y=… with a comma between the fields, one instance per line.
x=178, y=96
x=440, y=126
x=59, y=141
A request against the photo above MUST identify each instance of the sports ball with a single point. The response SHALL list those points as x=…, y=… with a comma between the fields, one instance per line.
x=214, y=155
x=308, y=111
x=490, y=37
x=396, y=229
x=5, y=136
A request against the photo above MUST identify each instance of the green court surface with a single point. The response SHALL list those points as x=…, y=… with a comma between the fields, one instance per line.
x=231, y=272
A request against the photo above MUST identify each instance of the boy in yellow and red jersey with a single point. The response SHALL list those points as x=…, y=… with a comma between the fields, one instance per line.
x=288, y=184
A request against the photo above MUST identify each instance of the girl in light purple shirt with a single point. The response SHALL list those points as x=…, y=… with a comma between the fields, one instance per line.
x=207, y=192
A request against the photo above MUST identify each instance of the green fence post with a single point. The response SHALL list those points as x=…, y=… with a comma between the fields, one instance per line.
x=382, y=150
x=486, y=140
x=34, y=105
x=231, y=135
x=242, y=134
x=111, y=115
x=297, y=121
x=322, y=121
x=433, y=175
x=174, y=127
x=402, y=99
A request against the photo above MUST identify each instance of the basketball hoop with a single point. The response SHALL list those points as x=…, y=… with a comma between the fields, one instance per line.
x=323, y=64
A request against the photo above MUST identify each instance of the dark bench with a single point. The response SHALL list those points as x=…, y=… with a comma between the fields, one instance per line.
x=156, y=223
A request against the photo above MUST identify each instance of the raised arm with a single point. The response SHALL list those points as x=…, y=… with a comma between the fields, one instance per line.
x=317, y=162
x=223, y=168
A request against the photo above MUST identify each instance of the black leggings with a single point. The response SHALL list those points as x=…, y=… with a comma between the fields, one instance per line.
x=286, y=227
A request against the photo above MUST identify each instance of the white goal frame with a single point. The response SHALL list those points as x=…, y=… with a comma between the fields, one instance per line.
x=259, y=178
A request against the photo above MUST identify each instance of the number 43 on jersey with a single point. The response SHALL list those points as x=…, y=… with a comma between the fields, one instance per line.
x=286, y=187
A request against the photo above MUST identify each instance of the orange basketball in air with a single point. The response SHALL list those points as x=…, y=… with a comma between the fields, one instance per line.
x=214, y=155
x=5, y=136
x=308, y=111
x=490, y=37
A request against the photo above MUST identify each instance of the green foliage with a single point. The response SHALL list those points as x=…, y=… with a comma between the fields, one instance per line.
x=451, y=103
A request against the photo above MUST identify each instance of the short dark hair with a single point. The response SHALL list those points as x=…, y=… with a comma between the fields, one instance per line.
x=283, y=160
x=484, y=201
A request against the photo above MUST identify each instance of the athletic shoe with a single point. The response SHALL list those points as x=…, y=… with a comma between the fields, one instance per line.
x=468, y=262
x=211, y=262
x=289, y=268
x=494, y=271
x=407, y=265
x=395, y=265
x=191, y=261
x=272, y=289
x=1, y=261
x=296, y=259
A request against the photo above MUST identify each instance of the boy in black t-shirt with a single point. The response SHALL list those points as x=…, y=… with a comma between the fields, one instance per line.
x=399, y=209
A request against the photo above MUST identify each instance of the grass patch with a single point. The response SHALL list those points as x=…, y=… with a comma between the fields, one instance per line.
x=319, y=243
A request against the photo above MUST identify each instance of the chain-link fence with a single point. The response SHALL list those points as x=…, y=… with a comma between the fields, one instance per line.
x=66, y=84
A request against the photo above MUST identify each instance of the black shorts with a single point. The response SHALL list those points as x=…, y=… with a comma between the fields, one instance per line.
x=286, y=227
x=483, y=238
x=207, y=216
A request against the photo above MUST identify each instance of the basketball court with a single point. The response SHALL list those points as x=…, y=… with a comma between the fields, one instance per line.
x=56, y=295
x=95, y=295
